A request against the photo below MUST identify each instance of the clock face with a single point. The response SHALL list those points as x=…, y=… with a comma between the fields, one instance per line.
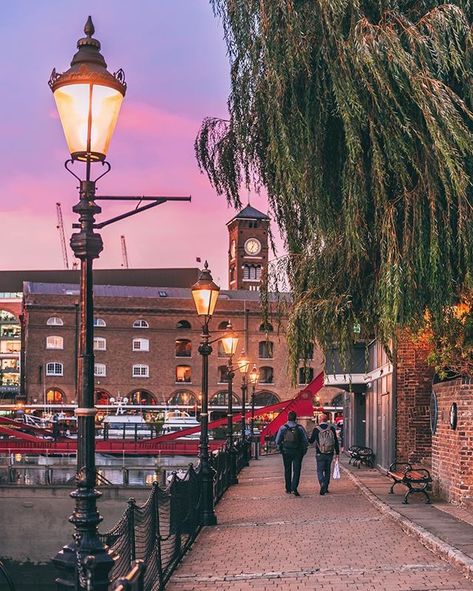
x=232, y=249
x=252, y=246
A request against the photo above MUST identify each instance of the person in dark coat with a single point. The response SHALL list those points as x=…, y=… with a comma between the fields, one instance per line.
x=292, y=442
x=326, y=445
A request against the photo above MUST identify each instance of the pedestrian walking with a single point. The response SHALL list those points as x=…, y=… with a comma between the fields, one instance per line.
x=292, y=442
x=326, y=445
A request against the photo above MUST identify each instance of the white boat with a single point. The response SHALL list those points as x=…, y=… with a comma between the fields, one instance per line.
x=117, y=426
x=178, y=420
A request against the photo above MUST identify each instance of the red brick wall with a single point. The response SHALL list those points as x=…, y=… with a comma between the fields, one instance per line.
x=452, y=450
x=414, y=386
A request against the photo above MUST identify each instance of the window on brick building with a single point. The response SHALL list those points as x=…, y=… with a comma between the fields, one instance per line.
x=266, y=327
x=140, y=324
x=99, y=322
x=100, y=369
x=184, y=374
x=265, y=350
x=100, y=344
x=252, y=272
x=306, y=375
x=54, y=321
x=223, y=374
x=223, y=325
x=221, y=399
x=185, y=397
x=54, y=396
x=183, y=348
x=183, y=324
x=140, y=371
x=266, y=375
x=54, y=369
x=266, y=398
x=140, y=345
x=54, y=342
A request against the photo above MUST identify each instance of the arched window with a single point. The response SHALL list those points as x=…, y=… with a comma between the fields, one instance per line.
x=54, y=369
x=54, y=396
x=337, y=400
x=306, y=375
x=141, y=397
x=266, y=327
x=54, y=342
x=223, y=325
x=183, y=397
x=266, y=375
x=100, y=344
x=184, y=373
x=6, y=316
x=140, y=345
x=223, y=374
x=140, y=324
x=102, y=397
x=221, y=399
x=99, y=322
x=184, y=324
x=265, y=399
x=140, y=371
x=183, y=348
x=54, y=321
x=265, y=350
x=252, y=272
x=100, y=370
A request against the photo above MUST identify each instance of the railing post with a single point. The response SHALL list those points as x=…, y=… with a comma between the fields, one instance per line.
x=131, y=528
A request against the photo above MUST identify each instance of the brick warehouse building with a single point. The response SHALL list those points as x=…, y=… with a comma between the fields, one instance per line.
x=146, y=338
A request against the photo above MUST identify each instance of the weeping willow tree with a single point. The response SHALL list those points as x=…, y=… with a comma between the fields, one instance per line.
x=356, y=117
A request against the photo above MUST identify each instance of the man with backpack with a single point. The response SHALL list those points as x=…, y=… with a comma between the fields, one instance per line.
x=292, y=443
x=326, y=444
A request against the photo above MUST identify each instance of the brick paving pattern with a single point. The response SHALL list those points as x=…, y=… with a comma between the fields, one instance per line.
x=267, y=540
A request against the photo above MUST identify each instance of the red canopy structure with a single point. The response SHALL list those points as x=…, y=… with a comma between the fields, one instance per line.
x=301, y=404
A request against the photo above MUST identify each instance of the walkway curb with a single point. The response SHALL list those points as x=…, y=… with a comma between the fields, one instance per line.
x=441, y=548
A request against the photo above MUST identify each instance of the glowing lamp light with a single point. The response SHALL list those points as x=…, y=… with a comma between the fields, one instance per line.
x=230, y=341
x=254, y=375
x=205, y=293
x=88, y=99
x=243, y=364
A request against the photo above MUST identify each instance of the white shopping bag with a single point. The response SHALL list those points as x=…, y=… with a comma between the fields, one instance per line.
x=336, y=471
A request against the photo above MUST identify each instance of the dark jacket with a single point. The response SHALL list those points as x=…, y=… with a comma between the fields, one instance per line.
x=303, y=438
x=314, y=438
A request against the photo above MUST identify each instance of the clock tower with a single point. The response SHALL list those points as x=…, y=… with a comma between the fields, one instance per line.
x=248, y=249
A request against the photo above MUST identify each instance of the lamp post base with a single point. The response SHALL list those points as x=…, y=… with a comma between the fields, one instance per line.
x=101, y=562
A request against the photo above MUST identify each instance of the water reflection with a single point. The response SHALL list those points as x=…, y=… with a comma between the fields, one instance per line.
x=61, y=470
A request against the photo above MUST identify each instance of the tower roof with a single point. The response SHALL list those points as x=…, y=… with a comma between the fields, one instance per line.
x=249, y=213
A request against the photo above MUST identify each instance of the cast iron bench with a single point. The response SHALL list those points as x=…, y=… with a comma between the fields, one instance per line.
x=361, y=455
x=416, y=479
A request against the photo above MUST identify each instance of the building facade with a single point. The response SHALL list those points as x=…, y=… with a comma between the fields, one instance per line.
x=146, y=346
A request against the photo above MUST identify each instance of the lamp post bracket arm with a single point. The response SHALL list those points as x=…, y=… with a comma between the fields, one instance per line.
x=162, y=199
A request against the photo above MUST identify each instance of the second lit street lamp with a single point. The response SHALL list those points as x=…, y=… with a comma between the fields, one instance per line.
x=88, y=99
x=230, y=343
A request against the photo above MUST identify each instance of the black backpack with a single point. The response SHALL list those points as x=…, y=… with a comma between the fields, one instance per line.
x=291, y=438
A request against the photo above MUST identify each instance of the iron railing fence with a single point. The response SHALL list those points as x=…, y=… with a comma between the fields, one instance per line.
x=159, y=532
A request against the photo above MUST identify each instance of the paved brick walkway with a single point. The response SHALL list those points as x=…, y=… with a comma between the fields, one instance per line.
x=266, y=540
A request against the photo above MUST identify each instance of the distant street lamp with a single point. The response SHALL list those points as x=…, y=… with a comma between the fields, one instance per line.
x=254, y=377
x=205, y=295
x=88, y=98
x=244, y=366
x=230, y=343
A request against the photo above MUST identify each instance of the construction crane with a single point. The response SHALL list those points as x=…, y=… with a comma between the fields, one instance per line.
x=62, y=236
x=124, y=253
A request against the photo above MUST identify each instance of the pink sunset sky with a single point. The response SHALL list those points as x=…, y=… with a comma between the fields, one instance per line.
x=177, y=71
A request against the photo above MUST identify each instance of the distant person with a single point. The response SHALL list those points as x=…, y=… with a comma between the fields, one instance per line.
x=326, y=445
x=56, y=427
x=292, y=442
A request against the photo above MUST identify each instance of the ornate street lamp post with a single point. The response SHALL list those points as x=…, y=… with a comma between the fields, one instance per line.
x=205, y=294
x=244, y=366
x=88, y=98
x=230, y=343
x=254, y=377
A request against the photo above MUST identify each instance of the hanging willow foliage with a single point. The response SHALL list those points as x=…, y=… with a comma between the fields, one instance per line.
x=356, y=117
